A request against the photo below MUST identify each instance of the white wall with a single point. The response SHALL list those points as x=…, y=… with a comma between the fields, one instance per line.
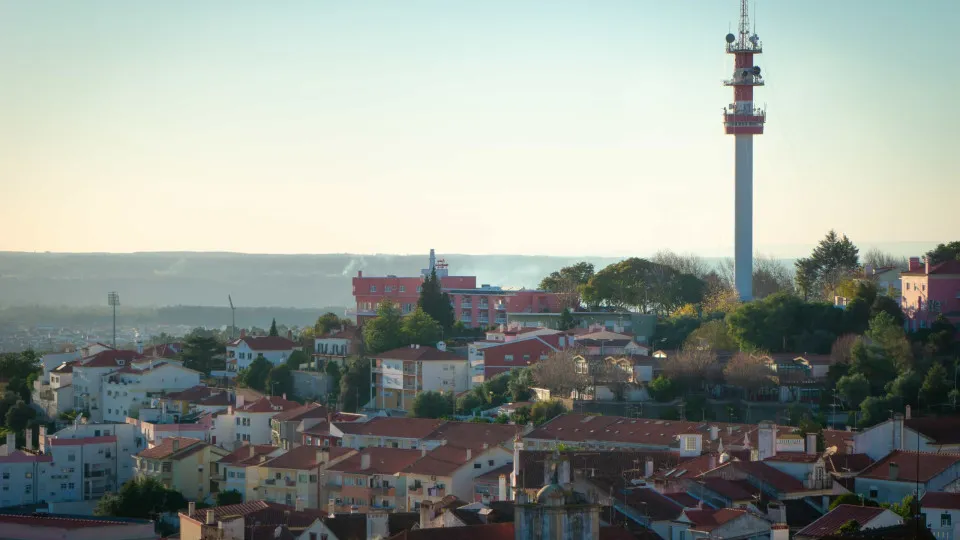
x=463, y=478
x=445, y=376
x=245, y=355
x=87, y=387
x=51, y=361
x=883, y=438
x=110, y=463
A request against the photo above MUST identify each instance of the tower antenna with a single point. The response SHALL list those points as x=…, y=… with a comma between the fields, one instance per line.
x=233, y=317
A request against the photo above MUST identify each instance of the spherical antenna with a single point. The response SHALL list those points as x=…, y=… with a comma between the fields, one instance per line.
x=731, y=38
x=756, y=70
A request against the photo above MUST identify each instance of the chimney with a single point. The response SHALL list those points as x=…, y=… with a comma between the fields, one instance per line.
x=210, y=518
x=364, y=461
x=11, y=444
x=914, y=264
x=425, y=514
x=191, y=508
x=240, y=401
x=323, y=455
x=714, y=433
x=712, y=462
x=43, y=435
x=812, y=443
x=926, y=265
x=299, y=504
x=906, y=413
x=176, y=444
x=423, y=451
x=648, y=467
x=894, y=471
x=290, y=335
x=469, y=454
x=284, y=396
x=779, y=531
x=359, y=275
x=243, y=333
x=29, y=435
x=502, y=488
x=253, y=450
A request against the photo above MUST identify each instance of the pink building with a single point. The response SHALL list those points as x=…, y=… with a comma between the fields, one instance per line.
x=472, y=305
x=930, y=290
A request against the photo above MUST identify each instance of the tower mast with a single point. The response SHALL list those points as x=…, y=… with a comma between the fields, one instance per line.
x=743, y=119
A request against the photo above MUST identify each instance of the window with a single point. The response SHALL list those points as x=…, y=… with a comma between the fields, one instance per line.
x=238, y=420
x=313, y=536
x=6, y=475
x=231, y=474
x=690, y=443
x=71, y=485
x=167, y=467
x=945, y=520
x=508, y=358
x=477, y=465
x=873, y=493
x=373, y=288
x=419, y=288
x=490, y=462
x=403, y=288
x=28, y=475
x=387, y=288
x=526, y=357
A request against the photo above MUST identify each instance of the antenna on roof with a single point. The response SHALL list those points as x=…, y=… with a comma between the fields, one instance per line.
x=233, y=317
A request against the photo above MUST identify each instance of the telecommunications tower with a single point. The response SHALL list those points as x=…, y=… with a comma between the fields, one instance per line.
x=744, y=119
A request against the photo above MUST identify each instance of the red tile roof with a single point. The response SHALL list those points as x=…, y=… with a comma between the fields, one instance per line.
x=388, y=426
x=643, y=499
x=19, y=456
x=269, y=404
x=939, y=429
x=418, y=354
x=708, y=520
x=848, y=463
x=781, y=481
x=165, y=350
x=54, y=521
x=193, y=394
x=441, y=461
x=941, y=500
x=683, y=499
x=794, y=457
x=836, y=518
x=165, y=448
x=912, y=466
x=247, y=455
x=265, y=343
x=66, y=367
x=532, y=349
x=310, y=410
x=266, y=513
x=946, y=267
x=382, y=461
x=732, y=490
x=688, y=467
x=493, y=475
x=495, y=531
x=110, y=358
x=531, y=464
x=473, y=435
x=305, y=457
x=837, y=438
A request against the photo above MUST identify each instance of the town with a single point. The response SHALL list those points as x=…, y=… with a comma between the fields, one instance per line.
x=641, y=400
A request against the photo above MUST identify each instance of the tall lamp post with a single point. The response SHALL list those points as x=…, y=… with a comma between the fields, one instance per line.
x=113, y=300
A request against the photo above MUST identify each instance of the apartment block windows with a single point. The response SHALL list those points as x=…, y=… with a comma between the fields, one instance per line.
x=373, y=288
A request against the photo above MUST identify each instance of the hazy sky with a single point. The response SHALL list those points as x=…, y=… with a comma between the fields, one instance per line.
x=484, y=126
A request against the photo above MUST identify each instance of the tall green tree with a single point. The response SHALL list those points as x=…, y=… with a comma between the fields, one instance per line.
x=280, y=381
x=384, y=332
x=833, y=260
x=432, y=404
x=355, y=384
x=945, y=252
x=255, y=375
x=806, y=277
x=906, y=387
x=420, y=329
x=19, y=416
x=568, y=283
x=853, y=389
x=202, y=353
x=870, y=361
x=936, y=386
x=332, y=369
x=326, y=323
x=141, y=498
x=887, y=335
x=296, y=359
x=436, y=303
x=273, y=329
x=643, y=285
x=544, y=411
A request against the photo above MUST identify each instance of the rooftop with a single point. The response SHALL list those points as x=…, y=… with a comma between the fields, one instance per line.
x=110, y=358
x=247, y=455
x=67, y=521
x=941, y=500
x=382, y=461
x=441, y=461
x=268, y=404
x=939, y=429
x=389, y=426
x=418, y=353
x=173, y=446
x=265, y=343
x=310, y=410
x=707, y=520
x=911, y=466
x=474, y=435
x=304, y=457
x=831, y=522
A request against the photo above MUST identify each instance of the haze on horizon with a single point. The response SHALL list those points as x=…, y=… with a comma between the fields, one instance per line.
x=538, y=127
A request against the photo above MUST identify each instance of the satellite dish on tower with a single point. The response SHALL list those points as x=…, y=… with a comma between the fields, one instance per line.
x=756, y=70
x=731, y=38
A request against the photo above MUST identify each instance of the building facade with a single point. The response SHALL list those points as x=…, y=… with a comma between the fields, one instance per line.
x=181, y=464
x=242, y=351
x=401, y=374
x=132, y=387
x=929, y=291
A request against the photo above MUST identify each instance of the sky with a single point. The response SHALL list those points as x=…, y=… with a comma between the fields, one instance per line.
x=495, y=126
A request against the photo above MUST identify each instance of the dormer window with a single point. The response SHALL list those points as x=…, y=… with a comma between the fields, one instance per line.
x=119, y=362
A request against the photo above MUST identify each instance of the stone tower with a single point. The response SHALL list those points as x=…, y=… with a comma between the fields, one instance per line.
x=557, y=512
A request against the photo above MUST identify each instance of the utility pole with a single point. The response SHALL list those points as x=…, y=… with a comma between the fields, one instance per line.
x=113, y=300
x=233, y=317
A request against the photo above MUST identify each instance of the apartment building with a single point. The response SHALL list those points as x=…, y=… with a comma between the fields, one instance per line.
x=53, y=394
x=929, y=291
x=242, y=351
x=48, y=526
x=450, y=470
x=88, y=377
x=92, y=458
x=491, y=358
x=293, y=477
x=155, y=425
x=399, y=375
x=133, y=386
x=199, y=398
x=284, y=425
x=369, y=480
x=250, y=422
x=384, y=432
x=231, y=471
x=182, y=464
x=338, y=345
x=28, y=477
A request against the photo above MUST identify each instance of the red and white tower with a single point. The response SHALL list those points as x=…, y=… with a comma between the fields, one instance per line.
x=744, y=119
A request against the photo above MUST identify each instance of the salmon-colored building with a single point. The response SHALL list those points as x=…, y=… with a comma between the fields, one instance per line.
x=473, y=306
x=930, y=290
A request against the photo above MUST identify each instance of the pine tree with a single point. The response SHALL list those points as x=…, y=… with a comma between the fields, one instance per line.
x=273, y=328
x=435, y=302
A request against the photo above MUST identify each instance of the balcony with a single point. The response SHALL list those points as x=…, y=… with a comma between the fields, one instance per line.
x=745, y=46
x=466, y=305
x=465, y=318
x=415, y=490
x=483, y=305
x=500, y=320
x=501, y=306
x=439, y=492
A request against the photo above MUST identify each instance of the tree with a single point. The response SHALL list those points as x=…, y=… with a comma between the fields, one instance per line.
x=19, y=416
x=19, y=386
x=840, y=351
x=326, y=323
x=544, y=411
x=566, y=321
x=770, y=276
x=834, y=259
x=568, y=283
x=944, y=253
x=749, y=373
x=692, y=368
x=905, y=508
x=806, y=277
x=885, y=304
x=420, y=329
x=712, y=335
x=144, y=498
x=869, y=361
x=273, y=329
x=436, y=303
x=280, y=381
x=230, y=496
x=888, y=336
x=332, y=369
x=202, y=352
x=876, y=409
x=520, y=416
x=255, y=375
x=853, y=389
x=518, y=384
x=432, y=404
x=355, y=384
x=468, y=402
x=296, y=359
x=685, y=264
x=640, y=284
x=875, y=258
x=935, y=387
x=385, y=332
x=560, y=373
x=661, y=389
x=854, y=499
x=850, y=527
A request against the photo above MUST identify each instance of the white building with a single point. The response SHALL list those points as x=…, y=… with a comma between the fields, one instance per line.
x=128, y=389
x=942, y=513
x=337, y=345
x=243, y=350
x=51, y=361
x=54, y=393
x=249, y=422
x=92, y=458
x=88, y=378
x=232, y=469
x=26, y=477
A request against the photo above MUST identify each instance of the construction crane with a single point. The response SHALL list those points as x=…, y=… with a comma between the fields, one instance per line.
x=233, y=316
